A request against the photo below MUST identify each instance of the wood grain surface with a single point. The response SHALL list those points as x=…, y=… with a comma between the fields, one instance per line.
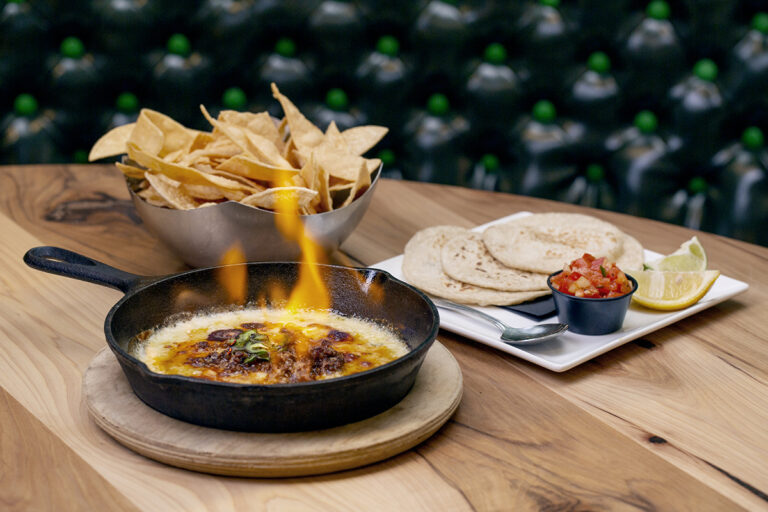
x=119, y=412
x=674, y=421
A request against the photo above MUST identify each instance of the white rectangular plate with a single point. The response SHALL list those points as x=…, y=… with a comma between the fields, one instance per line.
x=569, y=350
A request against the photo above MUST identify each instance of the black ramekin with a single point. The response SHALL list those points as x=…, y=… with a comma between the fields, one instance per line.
x=591, y=316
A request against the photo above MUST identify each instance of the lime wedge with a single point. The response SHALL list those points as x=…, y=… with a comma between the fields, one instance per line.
x=690, y=257
x=672, y=290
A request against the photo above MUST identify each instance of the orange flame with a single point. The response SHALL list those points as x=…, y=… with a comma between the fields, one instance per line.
x=310, y=290
x=233, y=276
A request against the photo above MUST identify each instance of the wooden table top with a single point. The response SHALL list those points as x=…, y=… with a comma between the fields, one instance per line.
x=673, y=421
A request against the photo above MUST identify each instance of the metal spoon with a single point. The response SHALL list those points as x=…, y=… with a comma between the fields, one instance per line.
x=510, y=335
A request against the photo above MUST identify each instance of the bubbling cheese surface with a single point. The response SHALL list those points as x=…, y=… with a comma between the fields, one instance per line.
x=280, y=346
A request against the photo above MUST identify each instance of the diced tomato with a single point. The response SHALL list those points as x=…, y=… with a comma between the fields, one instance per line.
x=592, y=278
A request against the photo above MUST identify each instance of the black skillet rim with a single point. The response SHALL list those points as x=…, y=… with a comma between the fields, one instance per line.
x=423, y=345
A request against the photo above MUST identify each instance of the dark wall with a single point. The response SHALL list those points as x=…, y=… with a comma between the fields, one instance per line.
x=656, y=109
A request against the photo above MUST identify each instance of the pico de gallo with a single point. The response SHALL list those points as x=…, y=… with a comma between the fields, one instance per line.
x=592, y=278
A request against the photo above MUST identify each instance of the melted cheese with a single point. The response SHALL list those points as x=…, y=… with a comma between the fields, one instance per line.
x=297, y=343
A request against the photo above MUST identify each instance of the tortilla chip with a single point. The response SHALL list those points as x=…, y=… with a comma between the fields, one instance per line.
x=177, y=172
x=373, y=164
x=174, y=156
x=321, y=182
x=282, y=128
x=308, y=172
x=269, y=198
x=238, y=195
x=175, y=135
x=146, y=135
x=111, y=143
x=295, y=181
x=334, y=139
x=341, y=186
x=361, y=184
x=260, y=124
x=201, y=140
x=303, y=133
x=158, y=134
x=205, y=192
x=297, y=159
x=263, y=124
x=171, y=191
x=316, y=178
x=248, y=185
x=337, y=165
x=151, y=196
x=131, y=171
x=362, y=138
x=248, y=167
x=243, y=155
x=259, y=147
x=265, y=150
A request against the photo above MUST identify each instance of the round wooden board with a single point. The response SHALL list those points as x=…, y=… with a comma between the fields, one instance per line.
x=116, y=409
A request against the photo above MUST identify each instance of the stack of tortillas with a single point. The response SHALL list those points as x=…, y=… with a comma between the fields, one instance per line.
x=509, y=263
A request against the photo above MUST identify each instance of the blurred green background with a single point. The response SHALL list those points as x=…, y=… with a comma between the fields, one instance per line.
x=657, y=109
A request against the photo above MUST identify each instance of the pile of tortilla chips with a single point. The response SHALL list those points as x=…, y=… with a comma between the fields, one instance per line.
x=246, y=157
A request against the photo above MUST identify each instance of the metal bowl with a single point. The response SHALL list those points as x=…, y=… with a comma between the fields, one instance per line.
x=201, y=236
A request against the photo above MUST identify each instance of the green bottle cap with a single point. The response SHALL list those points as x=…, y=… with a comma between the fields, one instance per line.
x=544, y=111
x=25, y=105
x=72, y=47
x=438, y=105
x=285, y=47
x=658, y=10
x=490, y=162
x=752, y=138
x=336, y=99
x=599, y=62
x=234, y=98
x=127, y=103
x=595, y=173
x=16, y=1
x=178, y=44
x=550, y=3
x=387, y=157
x=705, y=69
x=760, y=22
x=388, y=45
x=646, y=121
x=495, y=53
x=80, y=156
x=697, y=185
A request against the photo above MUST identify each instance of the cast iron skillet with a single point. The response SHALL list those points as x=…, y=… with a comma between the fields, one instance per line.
x=151, y=301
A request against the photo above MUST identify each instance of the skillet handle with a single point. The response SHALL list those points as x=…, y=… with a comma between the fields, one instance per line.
x=55, y=260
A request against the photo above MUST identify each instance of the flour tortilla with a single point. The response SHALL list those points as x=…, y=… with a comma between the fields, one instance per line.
x=465, y=258
x=632, y=257
x=422, y=268
x=544, y=242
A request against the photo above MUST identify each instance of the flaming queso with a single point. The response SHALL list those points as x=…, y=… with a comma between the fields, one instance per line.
x=310, y=290
x=301, y=341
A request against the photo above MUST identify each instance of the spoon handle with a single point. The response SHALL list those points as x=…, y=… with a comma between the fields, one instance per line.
x=442, y=303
